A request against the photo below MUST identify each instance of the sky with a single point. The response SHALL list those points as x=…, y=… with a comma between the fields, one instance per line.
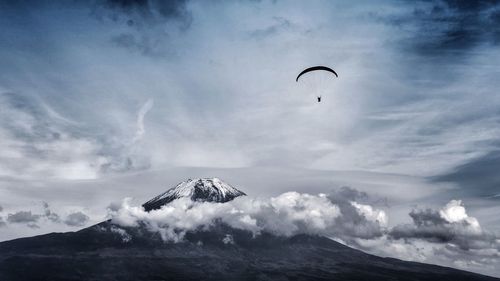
x=103, y=100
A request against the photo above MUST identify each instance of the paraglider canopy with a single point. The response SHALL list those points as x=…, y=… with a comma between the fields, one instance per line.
x=319, y=82
x=315, y=68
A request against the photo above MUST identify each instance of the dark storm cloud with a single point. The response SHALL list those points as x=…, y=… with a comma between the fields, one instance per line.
x=147, y=22
x=479, y=176
x=449, y=26
x=148, y=10
x=76, y=219
x=427, y=224
x=427, y=217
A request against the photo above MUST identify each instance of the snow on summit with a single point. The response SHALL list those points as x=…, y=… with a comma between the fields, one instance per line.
x=203, y=189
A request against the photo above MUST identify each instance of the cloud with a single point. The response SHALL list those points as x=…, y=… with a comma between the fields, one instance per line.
x=2, y=222
x=49, y=214
x=358, y=220
x=228, y=239
x=130, y=153
x=382, y=115
x=279, y=25
x=141, y=130
x=478, y=176
x=42, y=143
x=449, y=27
x=287, y=214
x=342, y=215
x=148, y=10
x=39, y=145
x=32, y=220
x=447, y=236
x=147, y=23
x=76, y=219
x=122, y=232
x=229, y=98
x=450, y=225
x=24, y=217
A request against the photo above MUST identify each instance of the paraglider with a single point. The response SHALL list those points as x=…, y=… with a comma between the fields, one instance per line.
x=316, y=68
x=315, y=83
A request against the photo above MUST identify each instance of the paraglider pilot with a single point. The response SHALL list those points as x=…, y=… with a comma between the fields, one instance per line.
x=319, y=99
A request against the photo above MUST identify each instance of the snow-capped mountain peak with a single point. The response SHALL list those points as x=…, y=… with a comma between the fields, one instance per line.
x=202, y=189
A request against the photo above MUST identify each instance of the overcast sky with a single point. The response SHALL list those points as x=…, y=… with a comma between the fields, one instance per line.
x=100, y=100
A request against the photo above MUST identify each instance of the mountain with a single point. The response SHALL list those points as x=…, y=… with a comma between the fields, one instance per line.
x=206, y=189
x=107, y=251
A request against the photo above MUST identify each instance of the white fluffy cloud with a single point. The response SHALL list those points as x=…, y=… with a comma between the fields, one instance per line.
x=287, y=214
x=448, y=236
x=451, y=224
x=454, y=212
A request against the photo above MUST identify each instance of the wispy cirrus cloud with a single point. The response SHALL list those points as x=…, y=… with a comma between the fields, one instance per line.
x=37, y=144
x=392, y=110
x=41, y=143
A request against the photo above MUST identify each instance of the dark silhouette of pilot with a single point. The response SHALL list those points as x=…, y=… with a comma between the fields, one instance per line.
x=319, y=99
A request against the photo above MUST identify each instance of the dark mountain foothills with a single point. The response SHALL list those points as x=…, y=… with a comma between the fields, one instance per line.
x=100, y=252
x=111, y=252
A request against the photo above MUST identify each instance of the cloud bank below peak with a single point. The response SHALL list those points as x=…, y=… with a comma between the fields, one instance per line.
x=447, y=236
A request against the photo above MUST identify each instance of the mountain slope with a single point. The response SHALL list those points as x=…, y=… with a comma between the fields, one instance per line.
x=206, y=189
x=108, y=252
